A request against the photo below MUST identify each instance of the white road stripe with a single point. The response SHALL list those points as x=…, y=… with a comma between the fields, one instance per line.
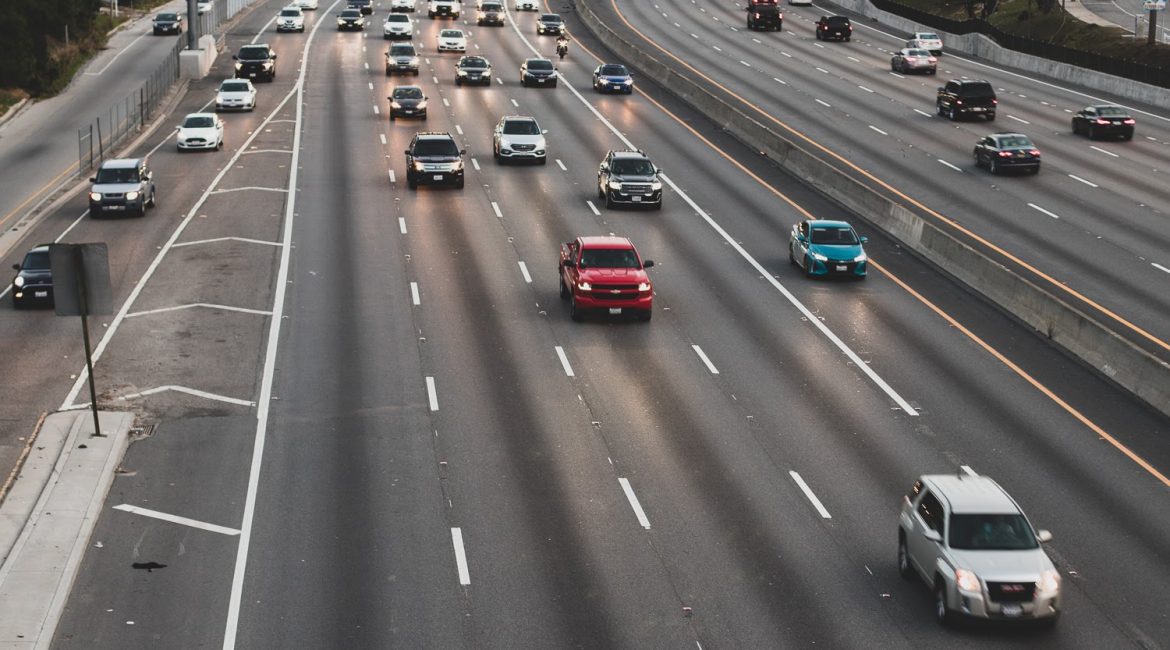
x=376, y=112
x=1160, y=267
x=853, y=59
x=811, y=497
x=524, y=272
x=564, y=361
x=561, y=165
x=496, y=209
x=949, y=165
x=446, y=102
x=757, y=41
x=694, y=35
x=895, y=74
x=865, y=89
x=1013, y=117
x=475, y=163
x=822, y=103
x=371, y=85
x=402, y=225
x=717, y=48
x=703, y=357
x=878, y=130
x=782, y=53
x=1040, y=209
x=459, y=129
x=460, y=556
x=414, y=299
x=434, y=79
x=593, y=208
x=367, y=64
x=393, y=179
x=822, y=70
x=174, y=519
x=923, y=113
x=633, y=499
x=745, y=63
x=1107, y=153
x=514, y=103
x=1078, y=178
x=780, y=81
x=432, y=396
x=382, y=136
x=967, y=470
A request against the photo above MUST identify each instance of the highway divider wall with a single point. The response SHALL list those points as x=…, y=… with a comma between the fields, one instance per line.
x=1092, y=341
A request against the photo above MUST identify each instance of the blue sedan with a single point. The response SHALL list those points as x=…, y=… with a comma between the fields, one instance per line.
x=823, y=247
x=614, y=78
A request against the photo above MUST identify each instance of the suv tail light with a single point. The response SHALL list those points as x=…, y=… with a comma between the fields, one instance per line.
x=1035, y=153
x=1129, y=120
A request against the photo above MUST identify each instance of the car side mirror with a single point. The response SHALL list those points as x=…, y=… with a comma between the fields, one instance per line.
x=545, y=131
x=407, y=152
x=940, y=89
x=647, y=264
x=604, y=167
x=16, y=267
x=932, y=535
x=273, y=57
x=93, y=179
x=1043, y=536
x=462, y=152
x=864, y=239
x=235, y=58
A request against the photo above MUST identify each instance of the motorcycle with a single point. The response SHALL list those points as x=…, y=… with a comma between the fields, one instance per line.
x=562, y=49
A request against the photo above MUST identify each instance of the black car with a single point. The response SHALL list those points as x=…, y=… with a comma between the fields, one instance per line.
x=550, y=24
x=434, y=158
x=764, y=17
x=256, y=62
x=1103, y=121
x=473, y=69
x=350, y=20
x=122, y=186
x=836, y=28
x=33, y=284
x=962, y=97
x=1000, y=151
x=364, y=6
x=168, y=23
x=538, y=72
x=408, y=101
x=629, y=178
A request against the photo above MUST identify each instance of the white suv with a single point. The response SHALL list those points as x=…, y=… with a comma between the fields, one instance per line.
x=971, y=543
x=397, y=26
x=449, y=8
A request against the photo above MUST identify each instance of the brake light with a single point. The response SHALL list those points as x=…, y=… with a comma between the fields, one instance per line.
x=933, y=60
x=1129, y=120
x=994, y=102
x=1035, y=152
x=1101, y=120
x=1005, y=154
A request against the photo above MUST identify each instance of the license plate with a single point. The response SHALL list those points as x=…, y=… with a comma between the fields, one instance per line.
x=1012, y=610
x=615, y=310
x=978, y=109
x=636, y=199
x=115, y=207
x=41, y=294
x=251, y=74
x=841, y=267
x=437, y=177
x=408, y=111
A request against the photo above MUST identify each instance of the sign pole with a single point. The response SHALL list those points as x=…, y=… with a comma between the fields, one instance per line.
x=84, y=300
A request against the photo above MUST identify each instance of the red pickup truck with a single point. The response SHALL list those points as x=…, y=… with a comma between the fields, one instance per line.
x=605, y=273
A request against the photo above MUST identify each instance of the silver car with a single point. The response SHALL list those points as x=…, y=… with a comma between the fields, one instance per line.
x=519, y=138
x=970, y=542
x=912, y=59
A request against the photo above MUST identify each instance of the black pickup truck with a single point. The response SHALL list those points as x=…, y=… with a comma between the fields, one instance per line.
x=764, y=16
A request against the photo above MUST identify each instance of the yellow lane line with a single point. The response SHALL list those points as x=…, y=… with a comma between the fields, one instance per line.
x=47, y=186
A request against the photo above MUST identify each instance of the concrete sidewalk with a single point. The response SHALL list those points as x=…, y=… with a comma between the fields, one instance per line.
x=48, y=517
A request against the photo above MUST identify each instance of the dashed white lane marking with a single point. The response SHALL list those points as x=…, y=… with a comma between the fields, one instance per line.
x=1160, y=267
x=878, y=130
x=819, y=45
x=923, y=113
x=515, y=103
x=865, y=89
x=855, y=60
x=432, y=396
x=703, y=357
x=402, y=225
x=1013, y=117
x=433, y=79
x=895, y=74
x=376, y=109
x=783, y=53
x=460, y=556
x=393, y=179
x=949, y=165
x=382, y=137
x=371, y=85
x=1078, y=178
x=561, y=165
x=496, y=209
x=633, y=499
x=459, y=129
x=779, y=81
x=414, y=298
x=174, y=519
x=822, y=70
x=694, y=35
x=499, y=81
x=809, y=494
x=1107, y=153
x=757, y=41
x=475, y=163
x=823, y=103
x=564, y=361
x=367, y=64
x=717, y=48
x=745, y=63
x=967, y=470
x=446, y=102
x=593, y=208
x=1040, y=209
x=524, y=272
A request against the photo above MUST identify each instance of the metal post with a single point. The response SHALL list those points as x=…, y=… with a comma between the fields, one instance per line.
x=84, y=300
x=101, y=149
x=1153, y=27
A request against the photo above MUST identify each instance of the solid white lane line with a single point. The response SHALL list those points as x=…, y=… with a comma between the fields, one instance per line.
x=432, y=396
x=878, y=130
x=967, y=470
x=393, y=179
x=593, y=208
x=459, y=129
x=1107, y=153
x=382, y=136
x=1160, y=267
x=174, y=519
x=703, y=357
x=822, y=103
x=496, y=209
x=1078, y=178
x=1013, y=117
x=460, y=556
x=414, y=294
x=402, y=225
x=564, y=361
x=923, y=113
x=475, y=164
x=949, y=165
x=1040, y=209
x=809, y=494
x=633, y=499
x=524, y=272
x=562, y=165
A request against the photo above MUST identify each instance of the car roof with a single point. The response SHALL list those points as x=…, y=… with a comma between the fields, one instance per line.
x=434, y=135
x=966, y=494
x=519, y=118
x=199, y=115
x=536, y=58
x=606, y=241
x=629, y=154
x=1009, y=135
x=39, y=248
x=121, y=163
x=830, y=223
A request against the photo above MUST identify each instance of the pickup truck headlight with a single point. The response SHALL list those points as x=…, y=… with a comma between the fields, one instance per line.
x=820, y=258
x=457, y=166
x=584, y=286
x=418, y=167
x=131, y=195
x=966, y=580
x=1049, y=581
x=18, y=282
x=644, y=287
x=239, y=66
x=615, y=185
x=656, y=185
x=95, y=196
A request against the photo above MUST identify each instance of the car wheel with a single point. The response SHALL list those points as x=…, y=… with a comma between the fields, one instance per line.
x=219, y=146
x=992, y=167
x=978, y=162
x=904, y=568
x=791, y=256
x=554, y=85
x=575, y=312
x=941, y=613
x=411, y=183
x=893, y=68
x=459, y=183
x=544, y=160
x=808, y=267
x=1092, y=133
x=646, y=315
x=153, y=200
x=658, y=206
x=1036, y=169
x=1127, y=136
x=564, y=289
x=609, y=201
x=1076, y=131
x=847, y=39
x=991, y=117
x=523, y=83
x=954, y=114
x=458, y=81
x=938, y=108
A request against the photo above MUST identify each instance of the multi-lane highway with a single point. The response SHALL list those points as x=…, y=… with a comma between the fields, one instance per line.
x=382, y=428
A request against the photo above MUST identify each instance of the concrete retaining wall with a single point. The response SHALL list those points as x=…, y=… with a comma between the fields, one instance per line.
x=1090, y=340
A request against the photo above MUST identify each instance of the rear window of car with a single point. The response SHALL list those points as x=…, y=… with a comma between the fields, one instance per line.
x=1015, y=141
x=838, y=21
x=917, y=53
x=927, y=36
x=451, y=33
x=1112, y=111
x=977, y=89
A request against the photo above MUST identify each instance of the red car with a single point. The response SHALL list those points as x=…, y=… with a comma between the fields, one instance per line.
x=605, y=273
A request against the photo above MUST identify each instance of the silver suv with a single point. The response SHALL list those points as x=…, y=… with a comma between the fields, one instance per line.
x=974, y=547
x=122, y=186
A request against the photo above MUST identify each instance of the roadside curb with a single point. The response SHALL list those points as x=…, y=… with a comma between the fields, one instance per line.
x=47, y=519
x=13, y=110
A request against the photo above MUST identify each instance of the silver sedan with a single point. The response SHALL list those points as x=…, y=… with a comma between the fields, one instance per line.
x=911, y=59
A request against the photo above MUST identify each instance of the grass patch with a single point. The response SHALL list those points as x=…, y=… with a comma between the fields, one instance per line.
x=9, y=98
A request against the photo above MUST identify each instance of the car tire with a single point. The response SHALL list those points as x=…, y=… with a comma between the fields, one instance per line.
x=978, y=162
x=219, y=146
x=153, y=201
x=554, y=85
x=904, y=568
x=1075, y=130
x=808, y=266
x=1036, y=170
x=544, y=160
x=1127, y=136
x=411, y=182
x=1092, y=133
x=791, y=255
x=564, y=289
x=992, y=166
x=847, y=39
x=459, y=183
x=575, y=313
x=658, y=206
x=991, y=117
x=938, y=109
x=942, y=613
x=523, y=83
x=646, y=315
x=893, y=67
x=458, y=81
x=954, y=114
x=609, y=204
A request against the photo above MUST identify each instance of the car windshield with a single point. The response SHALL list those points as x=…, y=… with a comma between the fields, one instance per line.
x=199, y=122
x=991, y=533
x=1112, y=111
x=451, y=33
x=1015, y=142
x=253, y=53
x=633, y=167
x=491, y=6
x=35, y=261
x=351, y=13
x=917, y=53
x=117, y=175
x=521, y=127
x=234, y=87
x=550, y=18
x=926, y=36
x=397, y=18
x=834, y=236
x=167, y=18
x=473, y=62
x=441, y=147
x=290, y=12
x=410, y=92
x=402, y=50
x=609, y=258
x=613, y=70
x=540, y=64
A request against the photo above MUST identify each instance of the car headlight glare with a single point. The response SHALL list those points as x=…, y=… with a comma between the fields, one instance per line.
x=418, y=167
x=95, y=196
x=1049, y=581
x=131, y=196
x=462, y=73
x=457, y=167
x=584, y=286
x=656, y=185
x=615, y=185
x=487, y=73
x=820, y=258
x=18, y=282
x=644, y=287
x=860, y=258
x=395, y=105
x=966, y=580
x=628, y=82
x=239, y=65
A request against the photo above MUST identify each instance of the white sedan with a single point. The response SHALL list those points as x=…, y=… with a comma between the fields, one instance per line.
x=402, y=5
x=452, y=40
x=200, y=131
x=235, y=95
x=306, y=4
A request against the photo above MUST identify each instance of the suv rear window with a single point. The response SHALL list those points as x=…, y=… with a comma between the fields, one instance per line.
x=977, y=89
x=838, y=21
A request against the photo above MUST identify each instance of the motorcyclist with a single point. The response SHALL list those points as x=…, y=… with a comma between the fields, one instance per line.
x=562, y=45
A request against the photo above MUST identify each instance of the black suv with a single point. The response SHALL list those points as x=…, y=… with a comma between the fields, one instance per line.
x=962, y=97
x=122, y=186
x=365, y=6
x=628, y=177
x=434, y=158
x=764, y=16
x=256, y=62
x=834, y=27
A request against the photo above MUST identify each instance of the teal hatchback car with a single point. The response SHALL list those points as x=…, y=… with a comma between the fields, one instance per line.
x=822, y=247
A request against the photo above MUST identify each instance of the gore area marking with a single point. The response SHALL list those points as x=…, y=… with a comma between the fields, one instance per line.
x=223, y=530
